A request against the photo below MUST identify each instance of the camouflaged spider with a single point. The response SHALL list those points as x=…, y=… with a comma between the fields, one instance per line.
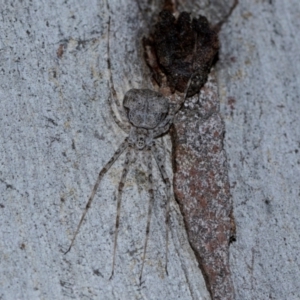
x=149, y=115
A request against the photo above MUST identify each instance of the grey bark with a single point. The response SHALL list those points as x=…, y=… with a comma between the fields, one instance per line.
x=259, y=89
x=56, y=135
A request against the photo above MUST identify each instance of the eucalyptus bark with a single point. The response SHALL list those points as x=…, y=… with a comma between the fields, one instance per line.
x=57, y=133
x=259, y=87
x=58, y=59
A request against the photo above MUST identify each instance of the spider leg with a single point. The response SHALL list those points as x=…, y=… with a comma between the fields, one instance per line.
x=124, y=125
x=165, y=177
x=127, y=163
x=161, y=130
x=111, y=86
x=165, y=125
x=104, y=170
x=149, y=165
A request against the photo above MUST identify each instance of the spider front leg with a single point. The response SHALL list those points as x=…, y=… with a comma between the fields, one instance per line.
x=151, y=200
x=128, y=160
x=118, y=152
x=124, y=125
x=165, y=125
x=165, y=177
x=163, y=129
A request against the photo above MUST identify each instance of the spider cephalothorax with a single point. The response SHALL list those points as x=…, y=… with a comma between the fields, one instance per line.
x=146, y=108
x=148, y=117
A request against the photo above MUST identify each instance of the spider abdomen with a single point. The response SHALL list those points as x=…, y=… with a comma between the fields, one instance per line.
x=146, y=108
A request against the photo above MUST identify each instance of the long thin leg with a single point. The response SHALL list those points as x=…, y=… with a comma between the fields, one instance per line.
x=109, y=65
x=119, y=151
x=161, y=130
x=123, y=124
x=127, y=162
x=168, y=185
x=149, y=165
x=165, y=126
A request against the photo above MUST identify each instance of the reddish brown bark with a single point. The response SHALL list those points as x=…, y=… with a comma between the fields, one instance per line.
x=201, y=186
x=179, y=49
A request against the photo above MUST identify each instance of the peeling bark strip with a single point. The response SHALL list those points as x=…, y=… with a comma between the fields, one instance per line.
x=201, y=186
x=177, y=50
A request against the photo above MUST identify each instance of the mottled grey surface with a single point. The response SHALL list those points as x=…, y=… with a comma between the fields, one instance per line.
x=56, y=134
x=259, y=87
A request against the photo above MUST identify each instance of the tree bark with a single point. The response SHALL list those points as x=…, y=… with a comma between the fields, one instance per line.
x=56, y=134
x=258, y=79
x=57, y=59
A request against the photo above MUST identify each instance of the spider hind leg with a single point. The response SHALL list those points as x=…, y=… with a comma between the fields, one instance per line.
x=104, y=170
x=151, y=200
x=128, y=161
x=166, y=179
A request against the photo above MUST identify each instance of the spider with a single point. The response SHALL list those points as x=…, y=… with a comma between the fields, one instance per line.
x=149, y=115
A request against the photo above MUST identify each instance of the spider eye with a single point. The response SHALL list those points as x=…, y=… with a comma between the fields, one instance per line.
x=140, y=142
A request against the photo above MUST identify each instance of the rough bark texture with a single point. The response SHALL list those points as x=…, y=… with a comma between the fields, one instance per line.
x=259, y=86
x=56, y=135
x=201, y=186
x=180, y=48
